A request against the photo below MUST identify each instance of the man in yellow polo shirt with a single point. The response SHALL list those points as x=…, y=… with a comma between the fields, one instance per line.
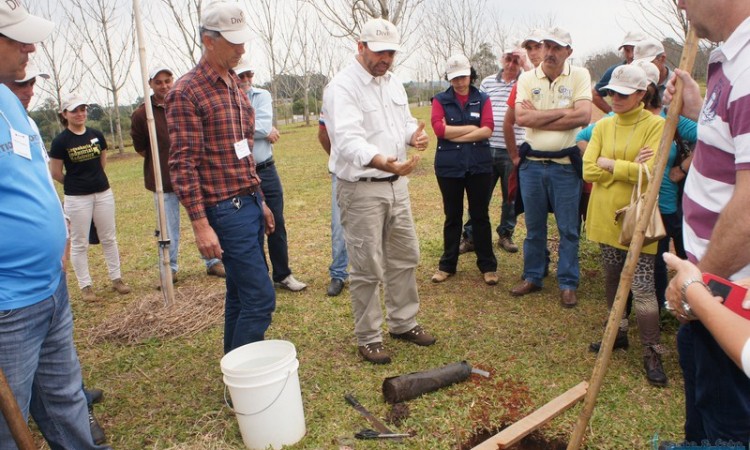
x=553, y=103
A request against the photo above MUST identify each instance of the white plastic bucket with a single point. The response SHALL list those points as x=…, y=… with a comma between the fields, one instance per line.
x=264, y=385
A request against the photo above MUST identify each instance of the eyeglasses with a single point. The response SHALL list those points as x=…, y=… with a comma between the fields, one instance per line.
x=612, y=93
x=513, y=60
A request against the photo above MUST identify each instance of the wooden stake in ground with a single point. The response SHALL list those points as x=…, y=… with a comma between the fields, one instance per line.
x=626, y=278
x=163, y=239
x=17, y=425
x=523, y=427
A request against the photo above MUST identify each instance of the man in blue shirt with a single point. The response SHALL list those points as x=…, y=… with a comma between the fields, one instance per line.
x=38, y=357
x=270, y=183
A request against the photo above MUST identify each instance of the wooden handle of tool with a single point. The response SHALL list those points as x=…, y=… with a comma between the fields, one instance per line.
x=17, y=425
x=605, y=352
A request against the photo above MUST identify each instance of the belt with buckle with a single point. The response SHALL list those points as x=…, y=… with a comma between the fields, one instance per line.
x=390, y=179
x=264, y=164
x=247, y=192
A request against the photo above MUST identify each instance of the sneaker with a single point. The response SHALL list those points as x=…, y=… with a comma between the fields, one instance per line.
x=441, y=276
x=96, y=395
x=652, y=364
x=506, y=243
x=621, y=341
x=291, y=283
x=416, y=335
x=120, y=286
x=97, y=433
x=217, y=270
x=375, y=353
x=466, y=246
x=88, y=295
x=490, y=278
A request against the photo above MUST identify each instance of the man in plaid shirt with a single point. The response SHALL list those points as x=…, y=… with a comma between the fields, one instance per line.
x=211, y=126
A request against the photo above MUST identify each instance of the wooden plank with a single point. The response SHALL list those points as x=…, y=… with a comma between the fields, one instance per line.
x=523, y=427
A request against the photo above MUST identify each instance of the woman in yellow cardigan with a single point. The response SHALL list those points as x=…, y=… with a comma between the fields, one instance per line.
x=611, y=162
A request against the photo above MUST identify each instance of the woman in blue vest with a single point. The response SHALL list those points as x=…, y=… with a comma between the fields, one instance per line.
x=463, y=122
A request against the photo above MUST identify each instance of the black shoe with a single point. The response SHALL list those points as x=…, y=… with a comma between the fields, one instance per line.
x=96, y=430
x=621, y=341
x=335, y=287
x=652, y=364
x=96, y=395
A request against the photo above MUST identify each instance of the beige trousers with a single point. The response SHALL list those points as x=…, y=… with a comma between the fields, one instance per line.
x=383, y=249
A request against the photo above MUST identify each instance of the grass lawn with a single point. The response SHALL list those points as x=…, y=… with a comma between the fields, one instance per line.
x=168, y=393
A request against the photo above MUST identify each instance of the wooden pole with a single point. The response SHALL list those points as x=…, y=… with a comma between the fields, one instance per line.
x=17, y=425
x=626, y=278
x=165, y=271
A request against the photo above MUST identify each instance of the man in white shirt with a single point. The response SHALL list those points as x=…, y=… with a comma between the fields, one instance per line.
x=369, y=125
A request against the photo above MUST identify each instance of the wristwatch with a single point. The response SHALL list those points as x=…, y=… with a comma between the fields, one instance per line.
x=685, y=306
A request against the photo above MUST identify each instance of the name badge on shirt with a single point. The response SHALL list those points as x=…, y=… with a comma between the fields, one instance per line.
x=474, y=114
x=21, y=145
x=242, y=149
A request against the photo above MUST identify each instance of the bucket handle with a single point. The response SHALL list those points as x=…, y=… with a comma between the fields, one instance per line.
x=226, y=400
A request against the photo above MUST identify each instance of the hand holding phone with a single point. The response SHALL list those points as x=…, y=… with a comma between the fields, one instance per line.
x=732, y=294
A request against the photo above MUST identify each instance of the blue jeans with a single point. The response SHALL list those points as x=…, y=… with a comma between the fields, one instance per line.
x=542, y=184
x=717, y=392
x=502, y=166
x=339, y=257
x=172, y=213
x=278, y=249
x=250, y=298
x=673, y=225
x=41, y=365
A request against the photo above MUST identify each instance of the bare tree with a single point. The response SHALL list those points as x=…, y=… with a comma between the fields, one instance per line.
x=57, y=57
x=276, y=22
x=348, y=16
x=185, y=49
x=110, y=49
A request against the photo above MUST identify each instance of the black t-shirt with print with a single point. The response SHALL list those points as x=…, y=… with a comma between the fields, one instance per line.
x=81, y=156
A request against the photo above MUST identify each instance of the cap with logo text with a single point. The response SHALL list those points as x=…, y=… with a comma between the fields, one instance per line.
x=17, y=24
x=627, y=79
x=457, y=66
x=647, y=49
x=227, y=19
x=381, y=35
x=559, y=36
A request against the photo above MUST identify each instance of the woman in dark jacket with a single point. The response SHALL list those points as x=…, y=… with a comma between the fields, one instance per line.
x=463, y=122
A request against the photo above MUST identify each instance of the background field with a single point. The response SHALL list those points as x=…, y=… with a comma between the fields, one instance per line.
x=168, y=393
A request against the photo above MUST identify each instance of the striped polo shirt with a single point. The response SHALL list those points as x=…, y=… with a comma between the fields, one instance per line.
x=723, y=146
x=499, y=91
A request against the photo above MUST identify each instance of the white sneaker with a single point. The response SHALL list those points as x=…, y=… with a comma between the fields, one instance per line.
x=291, y=284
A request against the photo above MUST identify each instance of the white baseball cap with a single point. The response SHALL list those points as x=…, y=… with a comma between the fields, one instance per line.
x=242, y=68
x=652, y=72
x=647, y=49
x=17, y=24
x=559, y=36
x=228, y=19
x=72, y=102
x=32, y=72
x=381, y=35
x=536, y=35
x=159, y=70
x=632, y=38
x=457, y=66
x=627, y=79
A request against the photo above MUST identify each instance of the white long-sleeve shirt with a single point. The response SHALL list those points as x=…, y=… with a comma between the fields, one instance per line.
x=365, y=116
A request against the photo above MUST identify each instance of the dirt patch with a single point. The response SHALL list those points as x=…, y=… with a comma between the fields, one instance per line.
x=534, y=441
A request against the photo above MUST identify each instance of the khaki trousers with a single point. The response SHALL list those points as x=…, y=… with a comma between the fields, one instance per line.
x=383, y=249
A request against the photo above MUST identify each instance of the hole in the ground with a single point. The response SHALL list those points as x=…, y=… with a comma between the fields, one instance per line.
x=534, y=441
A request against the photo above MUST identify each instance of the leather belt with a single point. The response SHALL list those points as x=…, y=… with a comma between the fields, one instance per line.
x=390, y=179
x=264, y=164
x=248, y=192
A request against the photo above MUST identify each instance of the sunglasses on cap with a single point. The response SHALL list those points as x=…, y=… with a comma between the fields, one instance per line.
x=612, y=93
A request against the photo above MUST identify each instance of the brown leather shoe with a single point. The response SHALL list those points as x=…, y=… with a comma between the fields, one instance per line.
x=416, y=335
x=526, y=287
x=217, y=270
x=375, y=353
x=568, y=298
